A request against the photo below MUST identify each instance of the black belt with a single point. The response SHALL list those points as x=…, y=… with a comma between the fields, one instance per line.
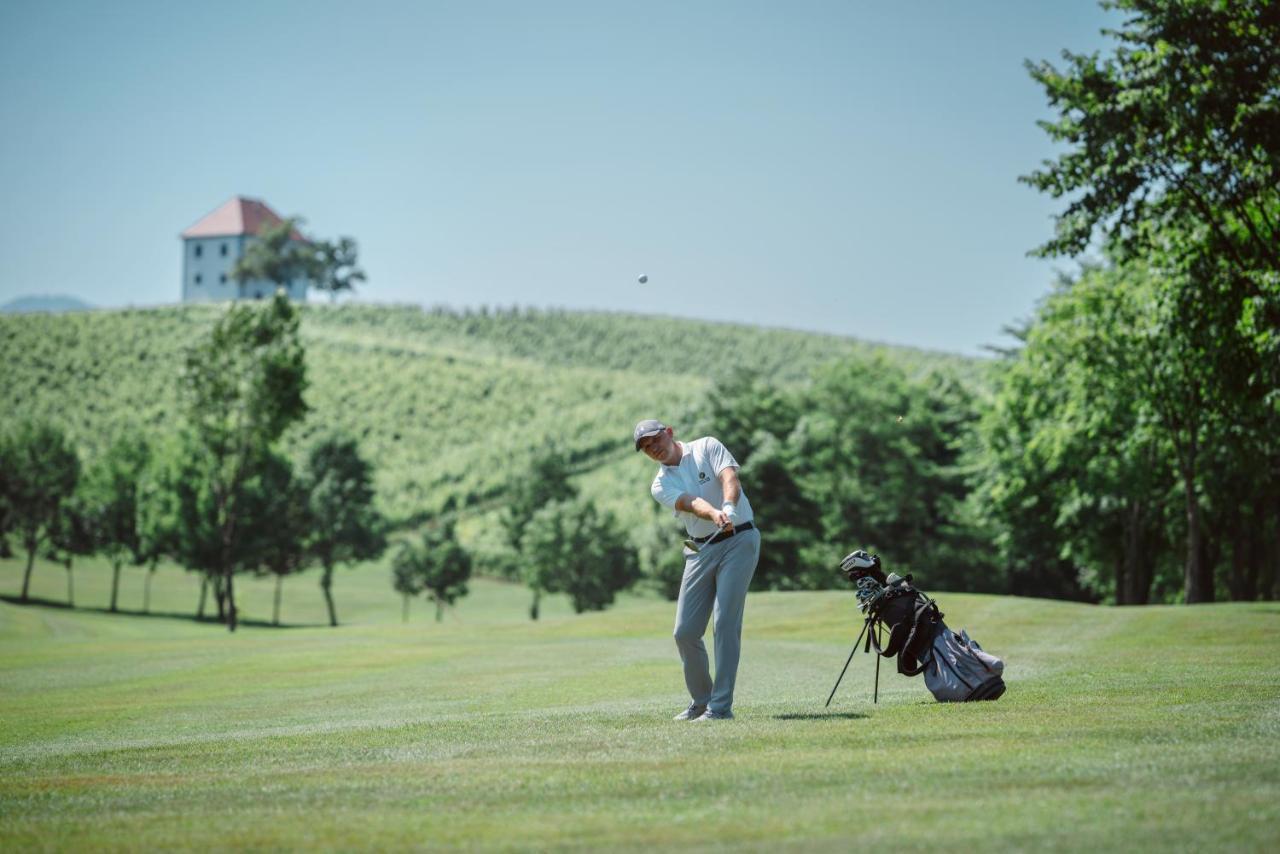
x=723, y=535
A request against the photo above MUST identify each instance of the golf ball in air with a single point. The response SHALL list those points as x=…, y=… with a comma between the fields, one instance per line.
x=643, y=278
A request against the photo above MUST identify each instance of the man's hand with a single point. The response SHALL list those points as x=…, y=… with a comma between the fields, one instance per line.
x=722, y=520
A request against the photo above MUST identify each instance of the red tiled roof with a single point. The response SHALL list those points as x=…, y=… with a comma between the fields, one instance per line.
x=238, y=216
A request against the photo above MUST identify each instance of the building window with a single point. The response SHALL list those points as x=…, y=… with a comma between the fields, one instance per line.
x=224, y=250
x=223, y=278
x=197, y=278
x=199, y=250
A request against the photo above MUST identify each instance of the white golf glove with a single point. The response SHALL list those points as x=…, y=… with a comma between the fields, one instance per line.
x=731, y=510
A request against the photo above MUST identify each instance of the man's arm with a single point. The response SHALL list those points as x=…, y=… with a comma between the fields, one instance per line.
x=702, y=508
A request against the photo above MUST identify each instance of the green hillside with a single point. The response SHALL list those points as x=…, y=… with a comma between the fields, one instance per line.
x=446, y=404
x=1153, y=728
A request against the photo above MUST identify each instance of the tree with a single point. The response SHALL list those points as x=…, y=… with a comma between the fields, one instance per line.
x=883, y=459
x=335, y=266
x=41, y=472
x=171, y=522
x=437, y=564
x=72, y=535
x=1180, y=125
x=1173, y=154
x=544, y=480
x=571, y=547
x=1079, y=450
x=279, y=254
x=111, y=495
x=345, y=526
x=242, y=387
x=406, y=578
x=279, y=523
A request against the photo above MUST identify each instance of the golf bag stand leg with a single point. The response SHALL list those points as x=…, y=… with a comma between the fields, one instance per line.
x=846, y=663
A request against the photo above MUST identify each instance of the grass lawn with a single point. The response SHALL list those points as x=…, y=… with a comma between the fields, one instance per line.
x=1123, y=729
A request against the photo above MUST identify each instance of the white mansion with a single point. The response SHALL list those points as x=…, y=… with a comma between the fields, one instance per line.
x=211, y=247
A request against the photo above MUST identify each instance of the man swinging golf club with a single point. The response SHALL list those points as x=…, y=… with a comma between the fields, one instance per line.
x=698, y=480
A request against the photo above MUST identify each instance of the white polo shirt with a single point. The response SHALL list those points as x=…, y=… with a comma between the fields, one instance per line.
x=698, y=476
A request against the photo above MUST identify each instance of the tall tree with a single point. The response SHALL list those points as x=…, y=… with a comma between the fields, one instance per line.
x=279, y=254
x=41, y=472
x=242, y=388
x=111, y=493
x=279, y=523
x=335, y=266
x=1172, y=152
x=571, y=547
x=545, y=479
x=1076, y=433
x=74, y=534
x=436, y=564
x=345, y=525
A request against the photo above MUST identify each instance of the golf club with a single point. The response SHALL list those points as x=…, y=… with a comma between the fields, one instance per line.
x=695, y=546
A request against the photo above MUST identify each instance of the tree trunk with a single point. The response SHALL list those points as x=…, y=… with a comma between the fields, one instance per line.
x=115, y=585
x=231, y=602
x=146, y=591
x=326, y=584
x=1137, y=580
x=71, y=586
x=220, y=596
x=439, y=609
x=275, y=613
x=1193, y=577
x=537, y=601
x=204, y=593
x=26, y=577
x=404, y=609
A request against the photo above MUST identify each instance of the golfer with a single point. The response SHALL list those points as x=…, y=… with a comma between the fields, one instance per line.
x=698, y=480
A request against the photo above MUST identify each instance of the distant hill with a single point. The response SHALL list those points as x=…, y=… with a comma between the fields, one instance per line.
x=447, y=404
x=52, y=304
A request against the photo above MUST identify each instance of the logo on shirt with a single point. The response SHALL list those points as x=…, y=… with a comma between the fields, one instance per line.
x=702, y=477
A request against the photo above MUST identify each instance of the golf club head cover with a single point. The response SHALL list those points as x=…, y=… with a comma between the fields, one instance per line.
x=860, y=564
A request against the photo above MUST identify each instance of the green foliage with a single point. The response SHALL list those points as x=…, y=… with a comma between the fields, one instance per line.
x=243, y=387
x=277, y=255
x=545, y=480
x=335, y=266
x=436, y=564
x=429, y=395
x=343, y=524
x=111, y=499
x=41, y=470
x=864, y=456
x=571, y=547
x=1172, y=156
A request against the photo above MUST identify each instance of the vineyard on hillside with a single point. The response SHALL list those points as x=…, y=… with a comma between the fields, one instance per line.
x=447, y=404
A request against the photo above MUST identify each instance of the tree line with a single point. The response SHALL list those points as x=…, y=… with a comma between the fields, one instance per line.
x=216, y=495
x=1131, y=449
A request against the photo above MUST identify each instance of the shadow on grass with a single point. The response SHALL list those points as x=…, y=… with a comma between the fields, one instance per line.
x=164, y=615
x=821, y=716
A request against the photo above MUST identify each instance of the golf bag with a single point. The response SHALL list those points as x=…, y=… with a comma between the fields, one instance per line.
x=955, y=667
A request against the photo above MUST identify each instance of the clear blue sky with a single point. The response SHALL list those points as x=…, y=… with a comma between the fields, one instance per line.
x=839, y=166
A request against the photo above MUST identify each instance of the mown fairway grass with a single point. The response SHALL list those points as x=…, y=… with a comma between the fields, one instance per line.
x=1123, y=729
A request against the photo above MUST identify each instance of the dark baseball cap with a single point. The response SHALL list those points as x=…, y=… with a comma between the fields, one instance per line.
x=651, y=427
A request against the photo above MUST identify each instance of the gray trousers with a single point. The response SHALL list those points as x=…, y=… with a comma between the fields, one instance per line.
x=715, y=578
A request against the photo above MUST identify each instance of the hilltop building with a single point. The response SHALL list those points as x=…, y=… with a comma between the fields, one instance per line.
x=211, y=247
